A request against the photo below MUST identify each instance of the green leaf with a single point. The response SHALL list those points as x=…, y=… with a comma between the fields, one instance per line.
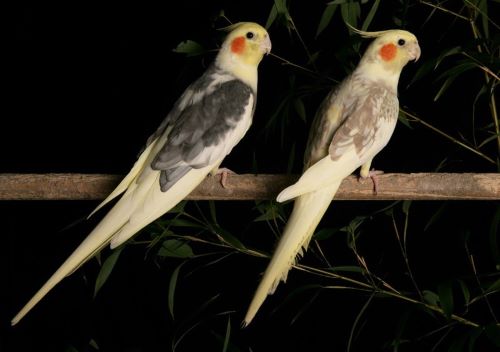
x=106, y=269
x=436, y=216
x=325, y=233
x=326, y=18
x=473, y=336
x=179, y=208
x=445, y=292
x=465, y=291
x=406, y=207
x=431, y=298
x=228, y=335
x=493, y=333
x=346, y=269
x=213, y=211
x=300, y=109
x=453, y=51
x=452, y=74
x=494, y=231
x=185, y=223
x=176, y=249
x=189, y=48
x=171, y=289
x=230, y=239
x=402, y=118
x=272, y=16
x=493, y=287
x=371, y=14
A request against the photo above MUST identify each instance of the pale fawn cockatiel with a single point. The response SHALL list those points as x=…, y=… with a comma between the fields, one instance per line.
x=355, y=121
x=204, y=125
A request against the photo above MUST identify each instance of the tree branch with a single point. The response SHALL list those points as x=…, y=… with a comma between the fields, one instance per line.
x=422, y=186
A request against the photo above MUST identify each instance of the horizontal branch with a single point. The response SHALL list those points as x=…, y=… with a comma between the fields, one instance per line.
x=422, y=186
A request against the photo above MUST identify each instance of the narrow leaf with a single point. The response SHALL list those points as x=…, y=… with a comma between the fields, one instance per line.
x=326, y=18
x=430, y=297
x=189, y=48
x=106, y=269
x=300, y=109
x=230, y=239
x=171, y=289
x=176, y=249
x=228, y=335
x=493, y=333
x=371, y=14
x=465, y=291
x=445, y=293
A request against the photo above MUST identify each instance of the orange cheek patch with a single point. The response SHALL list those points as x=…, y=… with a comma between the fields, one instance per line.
x=238, y=45
x=388, y=52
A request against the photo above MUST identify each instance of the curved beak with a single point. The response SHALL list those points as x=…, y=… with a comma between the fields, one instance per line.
x=414, y=51
x=265, y=44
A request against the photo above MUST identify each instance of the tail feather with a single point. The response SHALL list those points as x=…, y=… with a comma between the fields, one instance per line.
x=158, y=203
x=307, y=213
x=142, y=203
x=131, y=177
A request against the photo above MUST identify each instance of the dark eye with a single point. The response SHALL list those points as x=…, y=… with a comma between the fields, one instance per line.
x=250, y=35
x=401, y=42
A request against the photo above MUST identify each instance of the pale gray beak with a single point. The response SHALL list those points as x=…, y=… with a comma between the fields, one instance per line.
x=265, y=45
x=414, y=51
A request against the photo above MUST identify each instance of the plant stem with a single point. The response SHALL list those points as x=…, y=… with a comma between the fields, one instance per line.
x=454, y=140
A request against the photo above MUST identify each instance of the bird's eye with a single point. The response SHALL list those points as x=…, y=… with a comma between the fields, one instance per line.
x=250, y=35
x=401, y=42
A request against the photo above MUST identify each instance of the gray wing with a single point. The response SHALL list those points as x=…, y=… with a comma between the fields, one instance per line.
x=207, y=113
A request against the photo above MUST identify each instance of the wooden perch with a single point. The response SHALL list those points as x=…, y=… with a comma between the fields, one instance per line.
x=423, y=186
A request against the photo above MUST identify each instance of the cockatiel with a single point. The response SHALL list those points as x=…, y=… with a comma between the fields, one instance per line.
x=206, y=122
x=355, y=121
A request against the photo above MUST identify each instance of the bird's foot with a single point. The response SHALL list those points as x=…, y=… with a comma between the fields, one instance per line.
x=373, y=176
x=224, y=172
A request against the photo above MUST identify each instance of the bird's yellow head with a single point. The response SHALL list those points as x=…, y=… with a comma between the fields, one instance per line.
x=392, y=48
x=247, y=42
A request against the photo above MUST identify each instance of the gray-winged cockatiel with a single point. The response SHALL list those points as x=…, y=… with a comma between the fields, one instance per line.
x=353, y=124
x=206, y=122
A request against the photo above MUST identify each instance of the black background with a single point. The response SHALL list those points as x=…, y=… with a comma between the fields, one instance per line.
x=87, y=83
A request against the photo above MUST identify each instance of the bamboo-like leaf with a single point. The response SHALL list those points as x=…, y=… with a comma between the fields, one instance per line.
x=228, y=335
x=493, y=236
x=473, y=336
x=171, y=289
x=445, y=292
x=431, y=298
x=406, y=206
x=436, y=216
x=493, y=333
x=404, y=120
x=176, y=249
x=106, y=269
x=453, y=51
x=493, y=287
x=369, y=18
x=185, y=223
x=346, y=269
x=324, y=233
x=272, y=16
x=465, y=291
x=213, y=211
x=189, y=48
x=300, y=109
x=227, y=237
x=326, y=17
x=356, y=321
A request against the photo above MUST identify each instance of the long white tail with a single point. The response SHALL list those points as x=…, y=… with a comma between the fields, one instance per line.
x=307, y=212
x=142, y=203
